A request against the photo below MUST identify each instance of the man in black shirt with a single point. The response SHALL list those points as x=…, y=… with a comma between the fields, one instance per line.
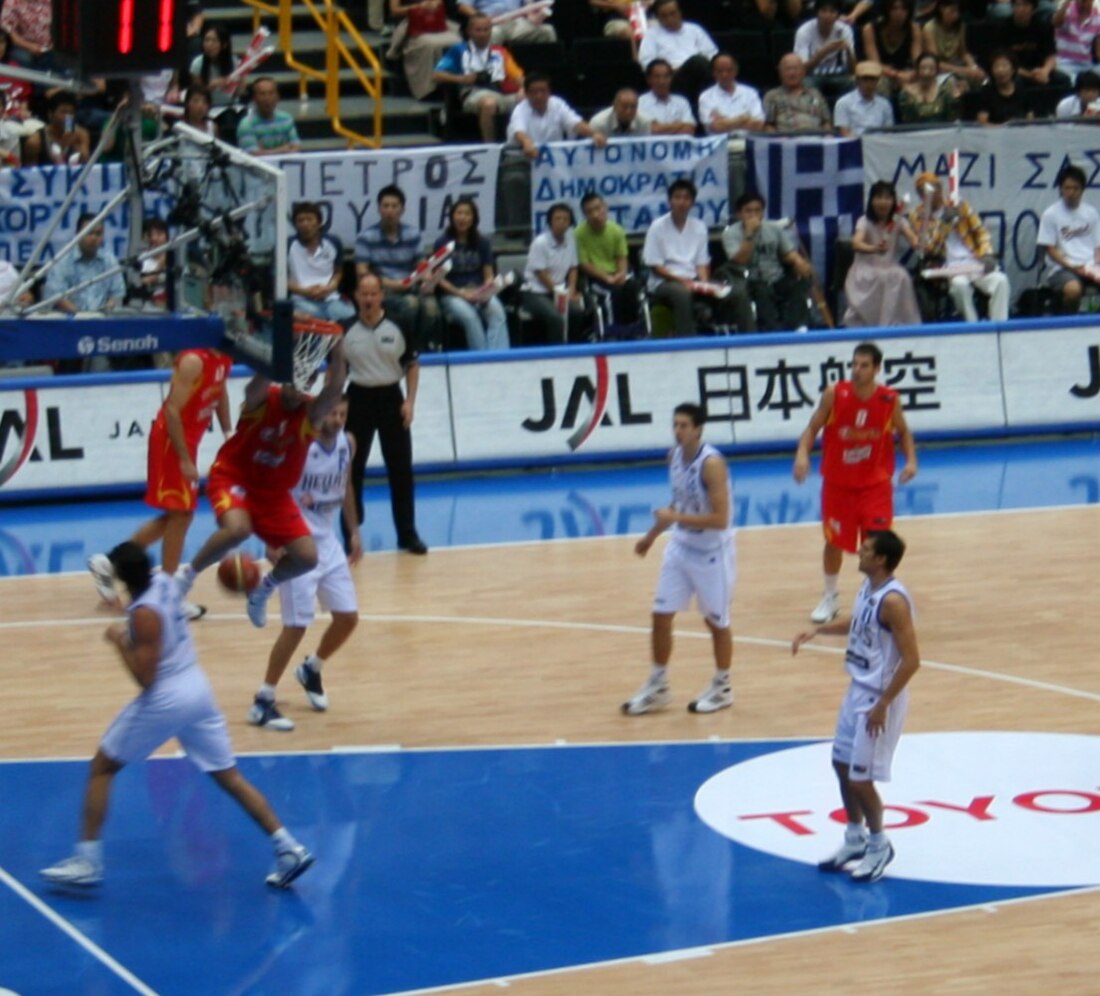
x=1031, y=41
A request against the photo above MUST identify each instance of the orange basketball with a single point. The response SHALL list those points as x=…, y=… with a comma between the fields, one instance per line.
x=239, y=573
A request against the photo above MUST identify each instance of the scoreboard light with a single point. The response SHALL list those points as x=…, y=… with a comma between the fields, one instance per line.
x=120, y=37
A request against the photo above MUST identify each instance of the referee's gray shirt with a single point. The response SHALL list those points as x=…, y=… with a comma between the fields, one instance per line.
x=377, y=356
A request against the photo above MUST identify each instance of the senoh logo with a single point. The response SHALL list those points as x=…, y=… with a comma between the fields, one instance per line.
x=19, y=432
x=593, y=396
x=105, y=345
x=85, y=345
x=1011, y=809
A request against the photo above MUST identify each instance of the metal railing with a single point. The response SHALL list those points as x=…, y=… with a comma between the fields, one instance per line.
x=344, y=46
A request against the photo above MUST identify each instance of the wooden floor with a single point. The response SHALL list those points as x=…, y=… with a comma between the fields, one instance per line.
x=536, y=643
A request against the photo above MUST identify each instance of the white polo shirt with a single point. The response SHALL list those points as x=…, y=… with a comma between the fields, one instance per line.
x=557, y=124
x=716, y=101
x=676, y=47
x=675, y=110
x=680, y=251
x=317, y=267
x=547, y=253
x=857, y=115
x=807, y=41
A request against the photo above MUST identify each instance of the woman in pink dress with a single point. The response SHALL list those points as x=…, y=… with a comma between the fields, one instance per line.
x=879, y=289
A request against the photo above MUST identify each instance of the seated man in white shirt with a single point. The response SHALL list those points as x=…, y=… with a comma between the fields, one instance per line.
x=621, y=119
x=686, y=47
x=1084, y=102
x=826, y=45
x=668, y=112
x=531, y=28
x=728, y=105
x=677, y=255
x=549, y=291
x=315, y=267
x=541, y=117
x=1069, y=231
x=863, y=108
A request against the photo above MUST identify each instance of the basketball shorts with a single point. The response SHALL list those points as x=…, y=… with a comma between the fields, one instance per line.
x=165, y=486
x=275, y=515
x=329, y=582
x=181, y=706
x=709, y=575
x=868, y=758
x=849, y=514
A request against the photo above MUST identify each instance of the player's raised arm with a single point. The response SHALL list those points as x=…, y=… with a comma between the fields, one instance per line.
x=335, y=378
x=255, y=392
x=809, y=434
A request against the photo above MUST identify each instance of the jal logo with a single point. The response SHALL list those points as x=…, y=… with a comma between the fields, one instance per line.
x=979, y=808
x=19, y=432
x=590, y=395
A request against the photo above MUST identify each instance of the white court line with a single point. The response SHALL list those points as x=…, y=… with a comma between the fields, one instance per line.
x=759, y=641
x=759, y=527
x=67, y=928
x=686, y=953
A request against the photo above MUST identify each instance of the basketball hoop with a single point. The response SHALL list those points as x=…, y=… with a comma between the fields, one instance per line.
x=253, y=337
x=314, y=339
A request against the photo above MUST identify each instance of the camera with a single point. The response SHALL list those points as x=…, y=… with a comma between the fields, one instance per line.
x=483, y=79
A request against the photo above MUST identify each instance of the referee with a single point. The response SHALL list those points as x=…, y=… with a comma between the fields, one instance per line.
x=379, y=355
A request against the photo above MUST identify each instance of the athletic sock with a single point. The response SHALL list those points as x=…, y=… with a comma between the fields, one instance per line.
x=283, y=840
x=268, y=584
x=266, y=692
x=854, y=832
x=832, y=582
x=315, y=662
x=877, y=840
x=92, y=850
x=659, y=672
x=721, y=677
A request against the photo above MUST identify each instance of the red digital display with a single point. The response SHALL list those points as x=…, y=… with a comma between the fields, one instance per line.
x=119, y=37
x=166, y=34
x=126, y=27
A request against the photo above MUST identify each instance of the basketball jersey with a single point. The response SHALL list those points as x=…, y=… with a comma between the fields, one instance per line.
x=268, y=449
x=177, y=650
x=873, y=656
x=320, y=493
x=199, y=409
x=689, y=496
x=859, y=437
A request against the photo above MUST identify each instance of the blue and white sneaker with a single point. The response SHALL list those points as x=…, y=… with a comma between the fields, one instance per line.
x=267, y=715
x=850, y=850
x=257, y=607
x=289, y=865
x=310, y=679
x=103, y=575
x=653, y=695
x=76, y=870
x=874, y=863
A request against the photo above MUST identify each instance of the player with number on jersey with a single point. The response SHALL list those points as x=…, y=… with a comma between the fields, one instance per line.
x=197, y=392
x=860, y=418
x=323, y=492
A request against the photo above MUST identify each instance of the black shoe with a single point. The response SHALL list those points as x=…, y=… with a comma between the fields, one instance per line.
x=415, y=545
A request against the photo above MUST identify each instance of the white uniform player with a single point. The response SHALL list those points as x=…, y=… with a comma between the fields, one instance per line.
x=176, y=701
x=698, y=561
x=323, y=492
x=882, y=657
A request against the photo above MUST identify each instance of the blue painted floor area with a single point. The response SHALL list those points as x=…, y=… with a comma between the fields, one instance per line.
x=550, y=505
x=433, y=867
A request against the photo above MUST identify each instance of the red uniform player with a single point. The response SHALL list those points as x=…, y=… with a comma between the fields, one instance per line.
x=860, y=418
x=253, y=474
x=197, y=392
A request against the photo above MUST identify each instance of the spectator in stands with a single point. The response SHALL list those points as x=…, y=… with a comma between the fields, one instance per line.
x=602, y=255
x=487, y=76
x=684, y=45
x=30, y=25
x=621, y=119
x=677, y=255
x=945, y=37
x=315, y=267
x=1076, y=24
x=424, y=33
x=266, y=130
x=1001, y=100
x=928, y=99
x=1084, y=102
x=212, y=69
x=765, y=269
x=894, y=42
x=668, y=112
x=1069, y=231
x=196, y=110
x=878, y=288
x=953, y=236
x=1031, y=42
x=63, y=140
x=549, y=289
x=525, y=28
x=20, y=130
x=793, y=106
x=827, y=48
x=391, y=249
x=89, y=260
x=728, y=105
x=616, y=16
x=463, y=292
x=541, y=117
x=154, y=270
x=864, y=107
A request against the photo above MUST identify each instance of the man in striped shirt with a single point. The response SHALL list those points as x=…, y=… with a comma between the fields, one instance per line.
x=265, y=130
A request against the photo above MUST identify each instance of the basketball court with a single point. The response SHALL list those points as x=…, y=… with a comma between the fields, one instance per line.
x=486, y=820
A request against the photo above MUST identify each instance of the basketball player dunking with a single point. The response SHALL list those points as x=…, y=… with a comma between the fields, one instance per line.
x=252, y=476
